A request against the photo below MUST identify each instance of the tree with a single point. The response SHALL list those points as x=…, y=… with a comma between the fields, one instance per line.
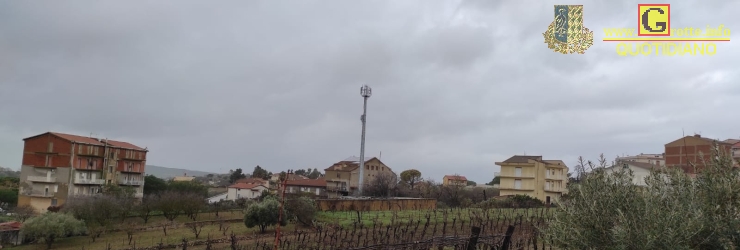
x=315, y=174
x=188, y=187
x=496, y=180
x=472, y=183
x=170, y=204
x=51, y=226
x=382, y=185
x=263, y=214
x=146, y=207
x=260, y=173
x=95, y=212
x=411, y=177
x=303, y=209
x=154, y=185
x=192, y=204
x=236, y=175
x=24, y=212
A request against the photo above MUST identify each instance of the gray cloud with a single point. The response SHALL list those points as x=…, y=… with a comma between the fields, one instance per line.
x=457, y=85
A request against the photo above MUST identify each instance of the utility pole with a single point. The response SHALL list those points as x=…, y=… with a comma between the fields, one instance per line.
x=365, y=92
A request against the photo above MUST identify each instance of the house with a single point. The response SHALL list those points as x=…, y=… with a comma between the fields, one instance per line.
x=655, y=159
x=687, y=150
x=57, y=166
x=316, y=187
x=244, y=190
x=219, y=197
x=735, y=149
x=640, y=170
x=343, y=177
x=257, y=181
x=454, y=180
x=10, y=233
x=531, y=175
x=184, y=177
x=290, y=177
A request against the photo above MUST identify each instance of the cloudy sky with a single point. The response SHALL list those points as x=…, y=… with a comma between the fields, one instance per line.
x=457, y=85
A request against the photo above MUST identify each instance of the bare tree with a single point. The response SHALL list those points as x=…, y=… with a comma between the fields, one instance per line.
x=24, y=212
x=95, y=212
x=381, y=185
x=130, y=227
x=224, y=227
x=145, y=208
x=170, y=204
x=196, y=228
x=192, y=204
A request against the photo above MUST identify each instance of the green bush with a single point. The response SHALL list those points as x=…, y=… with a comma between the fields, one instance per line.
x=302, y=209
x=263, y=214
x=516, y=201
x=674, y=210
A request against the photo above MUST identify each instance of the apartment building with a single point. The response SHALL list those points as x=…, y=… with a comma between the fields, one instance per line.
x=454, y=180
x=687, y=150
x=654, y=159
x=317, y=187
x=57, y=166
x=343, y=177
x=640, y=170
x=735, y=149
x=531, y=175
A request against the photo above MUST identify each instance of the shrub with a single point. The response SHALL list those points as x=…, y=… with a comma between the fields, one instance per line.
x=674, y=210
x=263, y=214
x=302, y=209
x=51, y=226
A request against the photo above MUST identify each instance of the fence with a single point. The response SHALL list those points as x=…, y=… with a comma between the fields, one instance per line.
x=375, y=204
x=440, y=229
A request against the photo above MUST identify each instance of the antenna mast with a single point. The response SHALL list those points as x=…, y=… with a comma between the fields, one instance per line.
x=365, y=92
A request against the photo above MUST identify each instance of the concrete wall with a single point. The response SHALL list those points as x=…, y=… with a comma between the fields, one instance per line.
x=375, y=204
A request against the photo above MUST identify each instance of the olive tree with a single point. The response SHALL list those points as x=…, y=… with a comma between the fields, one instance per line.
x=51, y=226
x=263, y=214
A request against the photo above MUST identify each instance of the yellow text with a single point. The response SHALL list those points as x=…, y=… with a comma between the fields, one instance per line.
x=666, y=49
x=720, y=31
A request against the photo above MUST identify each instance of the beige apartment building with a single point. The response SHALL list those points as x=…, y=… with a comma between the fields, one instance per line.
x=343, y=177
x=59, y=166
x=531, y=175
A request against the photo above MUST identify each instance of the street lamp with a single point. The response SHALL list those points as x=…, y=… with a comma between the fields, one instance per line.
x=365, y=92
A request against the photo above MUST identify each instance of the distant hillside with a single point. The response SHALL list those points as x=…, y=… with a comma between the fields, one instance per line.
x=9, y=172
x=168, y=173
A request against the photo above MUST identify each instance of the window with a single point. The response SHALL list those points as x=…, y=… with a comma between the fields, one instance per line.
x=110, y=169
x=79, y=149
x=337, y=175
x=53, y=202
x=51, y=147
x=517, y=184
x=518, y=172
x=547, y=173
x=96, y=150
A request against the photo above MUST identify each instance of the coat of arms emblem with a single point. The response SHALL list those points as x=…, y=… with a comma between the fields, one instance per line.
x=566, y=34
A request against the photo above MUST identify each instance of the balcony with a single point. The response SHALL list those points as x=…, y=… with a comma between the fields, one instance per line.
x=46, y=179
x=82, y=181
x=125, y=182
x=40, y=194
x=344, y=189
x=517, y=176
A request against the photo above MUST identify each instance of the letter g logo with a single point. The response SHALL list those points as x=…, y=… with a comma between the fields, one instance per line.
x=654, y=20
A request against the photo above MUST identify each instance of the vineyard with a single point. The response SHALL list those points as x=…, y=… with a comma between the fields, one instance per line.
x=433, y=229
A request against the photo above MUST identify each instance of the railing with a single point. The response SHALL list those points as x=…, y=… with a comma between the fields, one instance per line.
x=42, y=179
x=130, y=182
x=40, y=193
x=516, y=176
x=89, y=181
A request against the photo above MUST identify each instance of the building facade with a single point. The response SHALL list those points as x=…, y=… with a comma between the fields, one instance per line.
x=654, y=159
x=531, y=175
x=315, y=187
x=689, y=150
x=245, y=191
x=454, y=180
x=57, y=166
x=343, y=177
x=640, y=170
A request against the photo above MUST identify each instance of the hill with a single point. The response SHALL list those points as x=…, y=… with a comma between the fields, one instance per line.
x=168, y=173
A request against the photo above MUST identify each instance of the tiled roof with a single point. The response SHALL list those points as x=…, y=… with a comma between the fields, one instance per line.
x=10, y=226
x=321, y=182
x=456, y=177
x=733, y=141
x=523, y=159
x=90, y=140
x=246, y=185
x=251, y=180
x=343, y=167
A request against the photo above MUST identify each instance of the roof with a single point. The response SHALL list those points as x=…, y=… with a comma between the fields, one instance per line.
x=183, y=178
x=10, y=226
x=352, y=163
x=643, y=165
x=321, y=182
x=456, y=177
x=251, y=180
x=732, y=141
x=357, y=159
x=246, y=186
x=700, y=138
x=523, y=159
x=90, y=140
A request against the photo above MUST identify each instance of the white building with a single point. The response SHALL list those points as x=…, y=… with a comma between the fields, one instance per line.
x=244, y=190
x=655, y=159
x=641, y=170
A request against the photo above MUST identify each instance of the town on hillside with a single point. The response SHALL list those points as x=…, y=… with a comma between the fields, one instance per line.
x=78, y=174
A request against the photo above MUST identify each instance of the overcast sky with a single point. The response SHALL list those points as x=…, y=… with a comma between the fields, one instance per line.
x=457, y=86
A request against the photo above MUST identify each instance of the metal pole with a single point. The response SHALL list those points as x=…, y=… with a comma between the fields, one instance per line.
x=365, y=92
x=362, y=145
